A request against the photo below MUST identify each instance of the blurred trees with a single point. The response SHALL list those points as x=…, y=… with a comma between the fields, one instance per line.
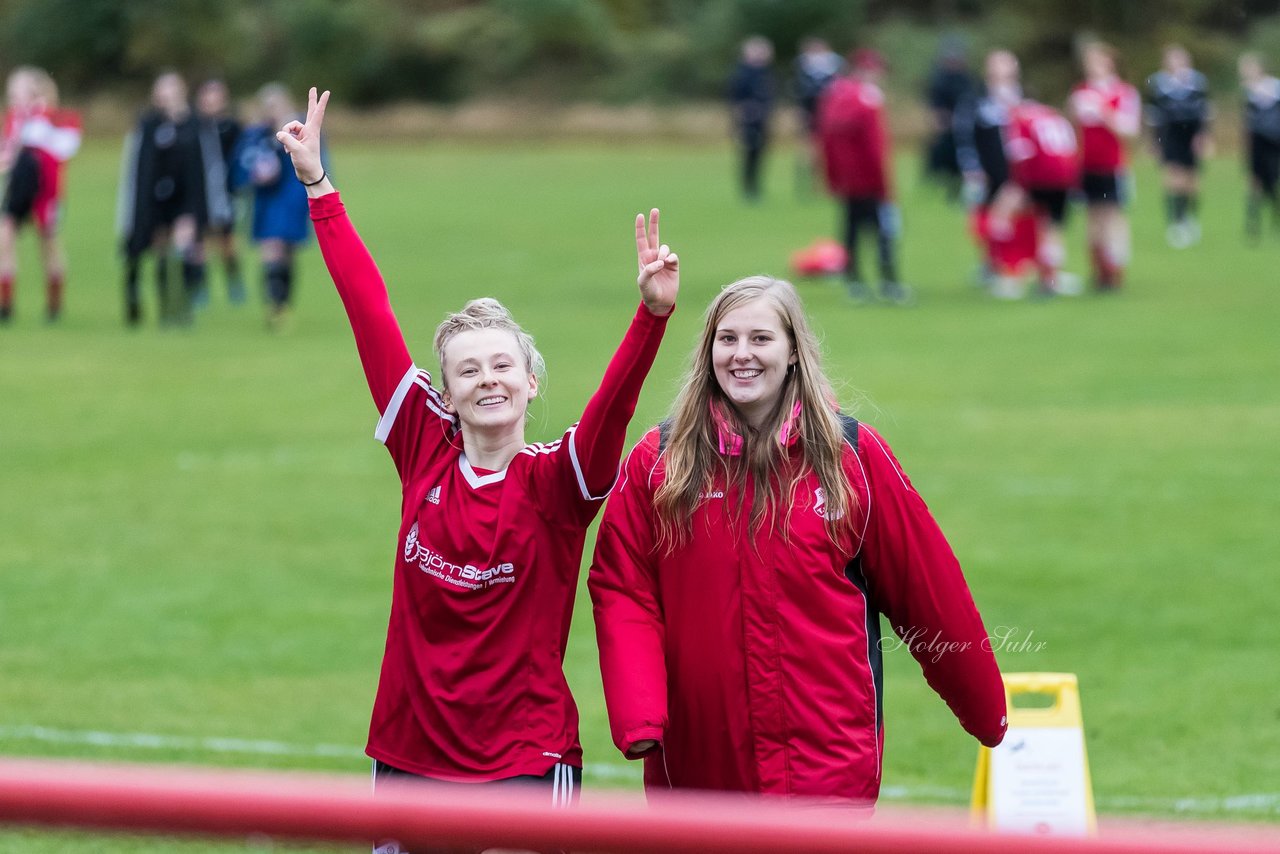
x=613, y=50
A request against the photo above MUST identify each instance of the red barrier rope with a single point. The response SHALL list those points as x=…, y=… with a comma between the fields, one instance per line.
x=309, y=806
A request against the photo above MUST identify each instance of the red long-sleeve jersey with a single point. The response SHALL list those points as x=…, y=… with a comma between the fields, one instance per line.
x=53, y=137
x=1108, y=112
x=755, y=661
x=472, y=684
x=1040, y=145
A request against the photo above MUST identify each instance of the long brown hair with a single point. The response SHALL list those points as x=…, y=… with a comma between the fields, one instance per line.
x=693, y=453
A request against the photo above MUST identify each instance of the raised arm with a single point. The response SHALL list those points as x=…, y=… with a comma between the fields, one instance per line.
x=381, y=346
x=602, y=432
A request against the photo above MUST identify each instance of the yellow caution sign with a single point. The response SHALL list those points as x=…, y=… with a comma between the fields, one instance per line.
x=1037, y=779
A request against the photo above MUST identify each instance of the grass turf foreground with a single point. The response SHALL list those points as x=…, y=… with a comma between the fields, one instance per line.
x=196, y=525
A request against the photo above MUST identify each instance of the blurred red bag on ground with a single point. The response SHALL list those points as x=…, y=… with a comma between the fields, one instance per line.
x=823, y=257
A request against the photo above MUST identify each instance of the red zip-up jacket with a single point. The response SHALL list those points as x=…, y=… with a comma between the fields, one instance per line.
x=756, y=666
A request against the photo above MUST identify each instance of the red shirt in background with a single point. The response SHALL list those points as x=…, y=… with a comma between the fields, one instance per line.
x=1107, y=112
x=855, y=147
x=1041, y=148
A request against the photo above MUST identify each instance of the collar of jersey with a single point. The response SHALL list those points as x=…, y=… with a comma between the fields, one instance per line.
x=474, y=479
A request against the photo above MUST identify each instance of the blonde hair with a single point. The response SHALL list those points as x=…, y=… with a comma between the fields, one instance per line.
x=693, y=457
x=41, y=82
x=487, y=313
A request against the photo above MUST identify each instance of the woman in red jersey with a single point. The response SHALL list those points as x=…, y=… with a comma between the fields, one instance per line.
x=743, y=563
x=472, y=687
x=37, y=140
x=1109, y=113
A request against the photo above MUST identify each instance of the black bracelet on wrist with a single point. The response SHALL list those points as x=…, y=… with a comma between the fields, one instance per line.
x=324, y=173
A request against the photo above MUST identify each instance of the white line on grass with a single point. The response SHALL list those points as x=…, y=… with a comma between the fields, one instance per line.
x=1250, y=803
x=257, y=747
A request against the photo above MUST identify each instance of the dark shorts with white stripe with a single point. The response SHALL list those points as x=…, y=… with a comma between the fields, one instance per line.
x=562, y=784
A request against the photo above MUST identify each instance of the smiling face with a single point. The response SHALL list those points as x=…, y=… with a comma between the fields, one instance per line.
x=750, y=357
x=487, y=383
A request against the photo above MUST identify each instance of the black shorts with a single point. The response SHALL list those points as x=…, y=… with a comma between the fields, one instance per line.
x=1177, y=144
x=1264, y=162
x=1109, y=188
x=1051, y=202
x=23, y=187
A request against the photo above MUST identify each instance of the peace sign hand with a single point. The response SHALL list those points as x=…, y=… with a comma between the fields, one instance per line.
x=302, y=140
x=659, y=278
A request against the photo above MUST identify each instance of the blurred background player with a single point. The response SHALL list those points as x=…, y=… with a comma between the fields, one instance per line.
x=980, y=124
x=281, y=220
x=213, y=106
x=1109, y=113
x=1179, y=115
x=38, y=139
x=1044, y=167
x=950, y=85
x=857, y=161
x=751, y=96
x=163, y=203
x=1262, y=142
x=816, y=67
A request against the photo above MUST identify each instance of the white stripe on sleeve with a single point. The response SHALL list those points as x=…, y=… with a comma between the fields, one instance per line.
x=393, y=406
x=577, y=470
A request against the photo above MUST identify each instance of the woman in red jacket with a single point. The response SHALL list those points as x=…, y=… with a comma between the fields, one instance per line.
x=744, y=559
x=491, y=531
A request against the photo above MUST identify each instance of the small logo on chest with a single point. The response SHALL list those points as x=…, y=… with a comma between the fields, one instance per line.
x=820, y=506
x=434, y=495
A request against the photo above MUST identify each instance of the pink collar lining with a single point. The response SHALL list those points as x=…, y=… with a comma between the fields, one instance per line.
x=731, y=443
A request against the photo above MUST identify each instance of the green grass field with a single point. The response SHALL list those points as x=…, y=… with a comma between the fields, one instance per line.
x=196, y=526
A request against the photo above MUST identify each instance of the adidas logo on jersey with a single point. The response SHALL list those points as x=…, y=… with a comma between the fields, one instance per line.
x=434, y=495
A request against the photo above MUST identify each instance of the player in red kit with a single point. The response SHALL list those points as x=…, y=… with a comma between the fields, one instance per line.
x=38, y=139
x=472, y=688
x=855, y=153
x=1109, y=113
x=1044, y=166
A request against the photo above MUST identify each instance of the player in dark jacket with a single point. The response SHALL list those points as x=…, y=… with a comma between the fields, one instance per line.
x=949, y=86
x=213, y=105
x=1262, y=134
x=164, y=206
x=1178, y=112
x=751, y=95
x=980, y=123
